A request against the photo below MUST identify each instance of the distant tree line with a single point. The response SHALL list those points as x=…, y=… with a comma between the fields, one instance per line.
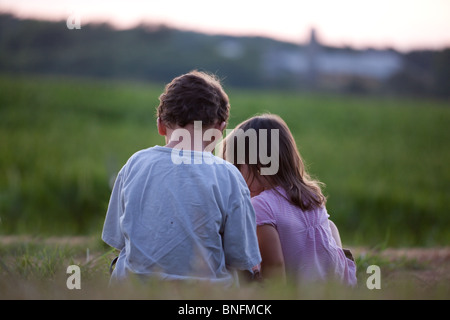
x=425, y=73
x=158, y=53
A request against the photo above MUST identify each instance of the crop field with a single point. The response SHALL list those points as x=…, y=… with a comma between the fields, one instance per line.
x=384, y=161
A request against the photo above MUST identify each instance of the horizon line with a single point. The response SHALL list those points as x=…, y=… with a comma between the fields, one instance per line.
x=239, y=34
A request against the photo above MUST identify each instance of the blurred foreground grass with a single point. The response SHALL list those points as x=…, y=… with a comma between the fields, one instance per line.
x=384, y=160
x=36, y=268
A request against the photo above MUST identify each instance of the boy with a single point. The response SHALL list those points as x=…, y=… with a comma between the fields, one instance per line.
x=176, y=219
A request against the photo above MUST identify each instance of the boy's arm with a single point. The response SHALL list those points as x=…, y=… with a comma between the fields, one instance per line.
x=240, y=242
x=112, y=233
x=249, y=276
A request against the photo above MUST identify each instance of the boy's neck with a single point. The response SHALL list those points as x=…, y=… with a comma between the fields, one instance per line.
x=193, y=137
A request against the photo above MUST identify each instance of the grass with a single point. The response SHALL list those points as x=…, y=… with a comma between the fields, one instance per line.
x=36, y=268
x=384, y=160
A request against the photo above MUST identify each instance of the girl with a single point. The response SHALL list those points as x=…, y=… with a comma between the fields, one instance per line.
x=296, y=238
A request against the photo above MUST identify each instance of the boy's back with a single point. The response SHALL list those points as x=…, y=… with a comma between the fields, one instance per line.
x=181, y=221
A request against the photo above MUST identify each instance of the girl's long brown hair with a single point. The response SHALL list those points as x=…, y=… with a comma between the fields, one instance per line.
x=301, y=189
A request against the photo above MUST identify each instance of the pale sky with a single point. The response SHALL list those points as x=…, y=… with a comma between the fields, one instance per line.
x=400, y=24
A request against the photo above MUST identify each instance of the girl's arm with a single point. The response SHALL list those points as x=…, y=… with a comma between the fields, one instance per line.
x=272, y=265
x=337, y=238
x=335, y=233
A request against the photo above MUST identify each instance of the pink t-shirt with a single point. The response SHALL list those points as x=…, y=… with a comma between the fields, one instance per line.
x=309, y=249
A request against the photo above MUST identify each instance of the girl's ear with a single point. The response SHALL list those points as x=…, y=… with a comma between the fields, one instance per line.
x=162, y=130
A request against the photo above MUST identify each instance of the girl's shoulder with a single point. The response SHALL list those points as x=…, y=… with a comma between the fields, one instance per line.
x=276, y=193
x=278, y=200
x=274, y=197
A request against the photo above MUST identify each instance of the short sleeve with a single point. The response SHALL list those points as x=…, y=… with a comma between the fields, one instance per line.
x=264, y=214
x=240, y=242
x=112, y=233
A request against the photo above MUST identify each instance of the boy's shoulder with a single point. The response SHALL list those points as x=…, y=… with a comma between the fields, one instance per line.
x=144, y=155
x=169, y=156
x=151, y=150
x=227, y=166
x=156, y=151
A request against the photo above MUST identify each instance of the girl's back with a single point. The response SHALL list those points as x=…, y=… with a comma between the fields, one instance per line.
x=309, y=249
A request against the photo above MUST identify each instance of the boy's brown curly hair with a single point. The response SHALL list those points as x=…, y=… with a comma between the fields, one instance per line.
x=195, y=96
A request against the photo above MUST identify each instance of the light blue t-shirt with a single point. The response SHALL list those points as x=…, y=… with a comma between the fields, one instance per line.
x=181, y=218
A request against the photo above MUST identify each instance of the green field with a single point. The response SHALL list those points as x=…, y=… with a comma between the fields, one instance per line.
x=384, y=160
